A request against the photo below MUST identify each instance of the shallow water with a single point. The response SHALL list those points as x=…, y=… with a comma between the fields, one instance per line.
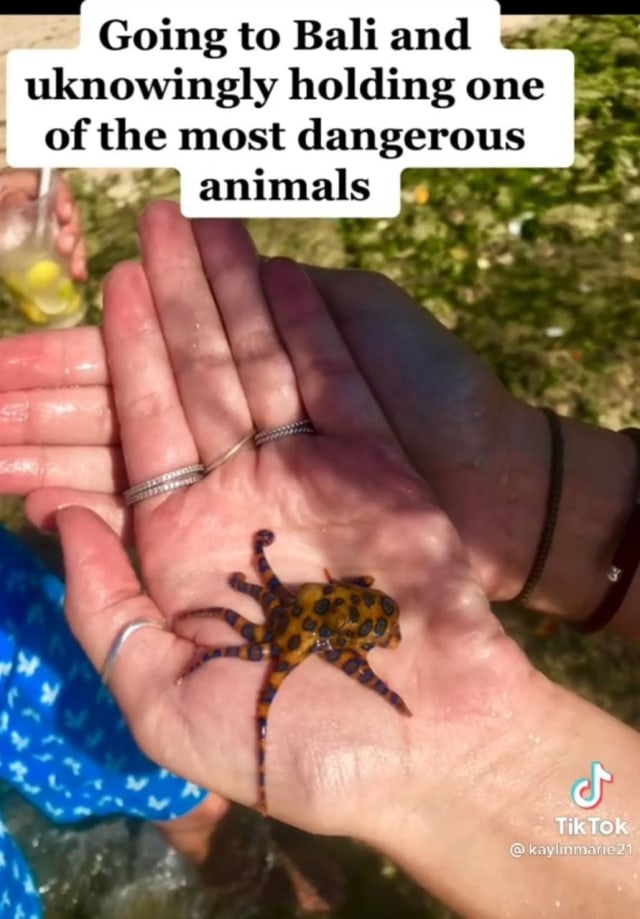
x=122, y=869
x=112, y=868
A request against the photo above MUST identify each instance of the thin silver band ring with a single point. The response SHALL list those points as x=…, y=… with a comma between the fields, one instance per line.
x=120, y=640
x=231, y=452
x=304, y=426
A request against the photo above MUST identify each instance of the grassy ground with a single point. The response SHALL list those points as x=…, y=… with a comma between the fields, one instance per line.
x=539, y=270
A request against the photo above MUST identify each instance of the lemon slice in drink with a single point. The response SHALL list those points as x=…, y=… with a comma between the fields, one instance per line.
x=31, y=311
x=52, y=293
x=41, y=275
x=14, y=284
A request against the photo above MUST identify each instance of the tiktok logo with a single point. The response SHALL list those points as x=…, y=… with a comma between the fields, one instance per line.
x=588, y=793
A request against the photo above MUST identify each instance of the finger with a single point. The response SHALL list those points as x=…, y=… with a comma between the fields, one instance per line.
x=206, y=376
x=70, y=241
x=19, y=183
x=173, y=724
x=15, y=198
x=42, y=505
x=65, y=207
x=103, y=596
x=154, y=432
x=65, y=242
x=24, y=468
x=72, y=248
x=78, y=261
x=334, y=391
x=82, y=415
x=72, y=357
x=232, y=266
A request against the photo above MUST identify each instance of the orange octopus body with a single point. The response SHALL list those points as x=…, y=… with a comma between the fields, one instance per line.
x=335, y=621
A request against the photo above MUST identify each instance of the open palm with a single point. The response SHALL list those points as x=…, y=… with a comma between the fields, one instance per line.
x=200, y=354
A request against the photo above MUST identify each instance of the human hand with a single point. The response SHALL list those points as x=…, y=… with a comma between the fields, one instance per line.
x=484, y=453
x=483, y=760
x=21, y=185
x=482, y=443
x=345, y=499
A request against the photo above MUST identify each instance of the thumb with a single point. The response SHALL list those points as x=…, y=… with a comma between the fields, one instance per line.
x=103, y=597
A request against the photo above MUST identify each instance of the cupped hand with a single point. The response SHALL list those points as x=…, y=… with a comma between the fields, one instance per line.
x=19, y=186
x=201, y=348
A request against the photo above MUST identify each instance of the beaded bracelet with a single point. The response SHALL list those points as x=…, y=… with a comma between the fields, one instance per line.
x=624, y=563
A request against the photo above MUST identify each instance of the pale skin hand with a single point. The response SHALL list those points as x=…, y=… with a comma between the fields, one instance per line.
x=425, y=379
x=345, y=500
x=19, y=186
x=491, y=750
x=484, y=453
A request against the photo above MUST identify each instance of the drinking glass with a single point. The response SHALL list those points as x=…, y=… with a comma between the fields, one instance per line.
x=34, y=272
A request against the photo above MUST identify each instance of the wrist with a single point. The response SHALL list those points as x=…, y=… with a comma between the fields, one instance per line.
x=510, y=790
x=598, y=496
x=600, y=477
x=520, y=478
x=451, y=761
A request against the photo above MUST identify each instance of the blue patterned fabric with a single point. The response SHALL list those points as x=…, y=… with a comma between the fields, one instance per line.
x=63, y=743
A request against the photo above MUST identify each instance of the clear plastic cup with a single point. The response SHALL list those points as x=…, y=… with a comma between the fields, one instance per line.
x=34, y=272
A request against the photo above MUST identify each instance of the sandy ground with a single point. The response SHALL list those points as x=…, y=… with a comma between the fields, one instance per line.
x=63, y=31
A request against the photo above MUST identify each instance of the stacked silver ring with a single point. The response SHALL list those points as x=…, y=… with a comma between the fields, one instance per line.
x=168, y=481
x=305, y=426
x=190, y=475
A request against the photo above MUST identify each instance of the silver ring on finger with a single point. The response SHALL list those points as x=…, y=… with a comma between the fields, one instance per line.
x=230, y=453
x=168, y=481
x=304, y=426
x=120, y=640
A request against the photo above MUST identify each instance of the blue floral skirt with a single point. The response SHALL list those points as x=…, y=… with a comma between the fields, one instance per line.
x=64, y=744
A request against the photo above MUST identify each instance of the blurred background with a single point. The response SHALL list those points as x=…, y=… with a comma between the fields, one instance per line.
x=539, y=272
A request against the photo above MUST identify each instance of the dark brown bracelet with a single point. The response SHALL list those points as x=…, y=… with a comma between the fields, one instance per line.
x=554, y=493
x=625, y=560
